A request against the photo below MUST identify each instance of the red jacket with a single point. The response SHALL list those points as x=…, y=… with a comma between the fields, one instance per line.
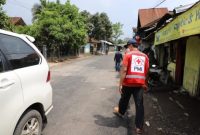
x=137, y=69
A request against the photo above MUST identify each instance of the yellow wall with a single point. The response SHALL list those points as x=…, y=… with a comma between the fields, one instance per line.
x=172, y=67
x=184, y=25
x=192, y=65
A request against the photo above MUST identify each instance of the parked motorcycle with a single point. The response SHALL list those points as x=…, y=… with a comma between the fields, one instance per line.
x=154, y=77
x=158, y=77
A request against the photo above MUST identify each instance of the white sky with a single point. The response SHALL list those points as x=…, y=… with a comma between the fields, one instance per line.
x=123, y=11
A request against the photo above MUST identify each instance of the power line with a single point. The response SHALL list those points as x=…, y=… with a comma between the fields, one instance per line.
x=25, y=3
x=160, y=3
x=21, y=4
x=17, y=3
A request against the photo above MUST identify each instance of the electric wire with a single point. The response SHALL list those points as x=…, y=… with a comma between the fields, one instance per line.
x=160, y=3
x=17, y=3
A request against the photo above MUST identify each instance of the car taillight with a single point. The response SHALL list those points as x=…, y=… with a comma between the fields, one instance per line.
x=49, y=76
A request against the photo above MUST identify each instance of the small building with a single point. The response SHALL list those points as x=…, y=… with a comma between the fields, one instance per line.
x=17, y=21
x=103, y=47
x=90, y=47
x=147, y=22
x=178, y=45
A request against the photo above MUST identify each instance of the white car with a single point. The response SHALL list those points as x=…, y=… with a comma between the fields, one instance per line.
x=25, y=89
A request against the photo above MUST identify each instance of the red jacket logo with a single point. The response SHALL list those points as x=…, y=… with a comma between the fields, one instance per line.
x=137, y=64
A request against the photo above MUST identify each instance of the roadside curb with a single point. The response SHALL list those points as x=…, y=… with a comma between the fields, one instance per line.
x=67, y=61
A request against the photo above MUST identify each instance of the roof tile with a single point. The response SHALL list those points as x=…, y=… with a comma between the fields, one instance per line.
x=147, y=16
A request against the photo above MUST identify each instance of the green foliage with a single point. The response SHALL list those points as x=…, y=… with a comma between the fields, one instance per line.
x=57, y=25
x=2, y=2
x=63, y=26
x=120, y=41
x=117, y=31
x=98, y=25
x=106, y=23
x=4, y=23
x=37, y=9
x=102, y=26
x=126, y=39
x=89, y=26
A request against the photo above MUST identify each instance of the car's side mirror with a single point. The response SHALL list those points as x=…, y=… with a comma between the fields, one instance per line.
x=30, y=38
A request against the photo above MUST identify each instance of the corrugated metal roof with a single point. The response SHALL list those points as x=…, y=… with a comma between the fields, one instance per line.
x=147, y=16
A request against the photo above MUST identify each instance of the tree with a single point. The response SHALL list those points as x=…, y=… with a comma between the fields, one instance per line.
x=37, y=9
x=4, y=23
x=106, y=23
x=102, y=26
x=117, y=31
x=99, y=25
x=89, y=26
x=126, y=39
x=120, y=41
x=59, y=25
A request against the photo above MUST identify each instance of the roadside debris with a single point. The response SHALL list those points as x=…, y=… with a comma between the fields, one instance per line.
x=147, y=123
x=186, y=114
x=155, y=99
x=155, y=107
x=176, y=91
x=180, y=105
x=159, y=129
x=170, y=98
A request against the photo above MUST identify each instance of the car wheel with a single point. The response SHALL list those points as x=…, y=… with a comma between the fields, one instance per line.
x=30, y=124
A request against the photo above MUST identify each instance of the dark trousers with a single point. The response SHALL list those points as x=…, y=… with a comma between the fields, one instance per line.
x=137, y=93
x=117, y=66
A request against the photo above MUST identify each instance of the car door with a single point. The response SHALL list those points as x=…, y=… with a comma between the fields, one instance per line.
x=28, y=65
x=11, y=97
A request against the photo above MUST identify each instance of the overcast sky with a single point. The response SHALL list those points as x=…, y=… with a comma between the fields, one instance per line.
x=123, y=11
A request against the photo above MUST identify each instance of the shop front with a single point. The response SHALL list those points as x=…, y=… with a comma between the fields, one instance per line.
x=181, y=42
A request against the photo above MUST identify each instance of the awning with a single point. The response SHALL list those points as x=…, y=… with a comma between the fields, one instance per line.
x=104, y=41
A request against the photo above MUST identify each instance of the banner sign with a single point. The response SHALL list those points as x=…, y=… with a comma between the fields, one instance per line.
x=183, y=25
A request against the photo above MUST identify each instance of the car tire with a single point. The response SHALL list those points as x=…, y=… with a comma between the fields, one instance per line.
x=30, y=122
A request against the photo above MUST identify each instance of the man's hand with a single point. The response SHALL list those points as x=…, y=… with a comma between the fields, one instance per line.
x=122, y=77
x=145, y=88
x=120, y=89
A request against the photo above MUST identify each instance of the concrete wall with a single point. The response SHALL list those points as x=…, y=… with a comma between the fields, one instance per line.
x=192, y=66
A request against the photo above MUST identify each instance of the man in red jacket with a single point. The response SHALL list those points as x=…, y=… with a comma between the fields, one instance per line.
x=133, y=82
